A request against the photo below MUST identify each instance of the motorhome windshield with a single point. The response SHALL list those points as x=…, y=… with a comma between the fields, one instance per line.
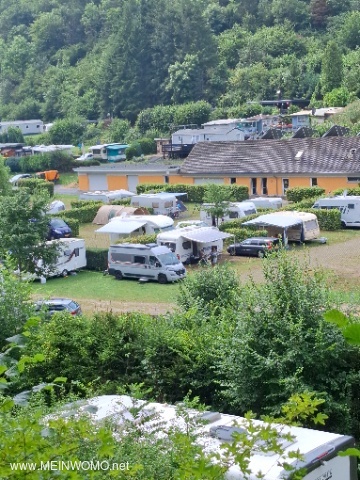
x=168, y=259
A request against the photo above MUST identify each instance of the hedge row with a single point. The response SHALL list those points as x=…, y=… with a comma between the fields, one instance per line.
x=60, y=161
x=36, y=184
x=350, y=191
x=85, y=203
x=306, y=203
x=243, y=233
x=97, y=259
x=84, y=214
x=195, y=193
x=150, y=238
x=297, y=194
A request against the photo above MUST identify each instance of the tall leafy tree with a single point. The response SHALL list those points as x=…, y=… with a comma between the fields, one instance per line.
x=332, y=68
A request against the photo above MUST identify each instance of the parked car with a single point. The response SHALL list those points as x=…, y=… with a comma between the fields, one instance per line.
x=56, y=305
x=85, y=156
x=14, y=180
x=257, y=246
x=58, y=229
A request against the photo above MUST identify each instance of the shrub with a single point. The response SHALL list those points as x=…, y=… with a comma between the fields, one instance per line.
x=86, y=163
x=297, y=194
x=147, y=145
x=97, y=259
x=37, y=184
x=143, y=239
x=243, y=233
x=84, y=214
x=134, y=150
x=195, y=193
x=339, y=191
x=58, y=160
x=13, y=163
x=85, y=203
x=124, y=201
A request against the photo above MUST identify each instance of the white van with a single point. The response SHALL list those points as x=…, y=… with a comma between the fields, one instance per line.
x=71, y=257
x=349, y=207
x=268, y=202
x=318, y=450
x=234, y=210
x=145, y=262
x=191, y=243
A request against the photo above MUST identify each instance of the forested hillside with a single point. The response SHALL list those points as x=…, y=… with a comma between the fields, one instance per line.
x=117, y=57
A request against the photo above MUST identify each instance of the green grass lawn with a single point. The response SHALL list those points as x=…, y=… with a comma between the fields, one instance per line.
x=96, y=286
x=68, y=178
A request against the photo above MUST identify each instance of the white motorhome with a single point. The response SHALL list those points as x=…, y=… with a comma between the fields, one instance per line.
x=161, y=203
x=349, y=207
x=234, y=210
x=71, y=257
x=191, y=243
x=145, y=262
x=268, y=202
x=106, y=196
x=319, y=451
x=293, y=226
x=120, y=227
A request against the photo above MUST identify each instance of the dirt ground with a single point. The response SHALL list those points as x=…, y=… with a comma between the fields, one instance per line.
x=90, y=307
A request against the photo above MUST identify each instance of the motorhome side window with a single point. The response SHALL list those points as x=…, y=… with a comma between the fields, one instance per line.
x=135, y=204
x=76, y=252
x=233, y=215
x=139, y=259
x=168, y=204
x=153, y=260
x=186, y=245
x=351, y=205
x=155, y=204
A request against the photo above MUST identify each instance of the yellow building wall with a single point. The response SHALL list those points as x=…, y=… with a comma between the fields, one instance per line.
x=151, y=179
x=116, y=182
x=83, y=182
x=179, y=179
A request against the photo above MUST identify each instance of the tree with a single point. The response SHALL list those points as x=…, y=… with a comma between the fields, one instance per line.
x=338, y=97
x=332, y=68
x=5, y=185
x=67, y=131
x=216, y=201
x=23, y=231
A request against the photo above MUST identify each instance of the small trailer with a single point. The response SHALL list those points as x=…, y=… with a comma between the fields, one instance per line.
x=134, y=225
x=213, y=431
x=268, y=202
x=234, y=210
x=162, y=203
x=191, y=243
x=349, y=207
x=71, y=257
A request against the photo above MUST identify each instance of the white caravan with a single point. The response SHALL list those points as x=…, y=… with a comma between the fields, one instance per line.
x=191, y=243
x=268, y=202
x=318, y=452
x=145, y=262
x=234, y=210
x=349, y=207
x=163, y=203
x=120, y=227
x=71, y=257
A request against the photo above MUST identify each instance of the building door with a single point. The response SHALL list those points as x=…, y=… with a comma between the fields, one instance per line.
x=98, y=181
x=253, y=188
x=285, y=183
x=133, y=181
x=264, y=189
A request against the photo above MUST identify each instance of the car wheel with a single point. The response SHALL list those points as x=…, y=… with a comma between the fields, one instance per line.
x=64, y=273
x=162, y=278
x=118, y=275
x=232, y=252
x=261, y=254
x=343, y=225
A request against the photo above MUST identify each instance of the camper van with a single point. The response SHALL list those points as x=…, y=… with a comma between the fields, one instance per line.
x=318, y=452
x=349, y=207
x=293, y=226
x=191, y=243
x=145, y=262
x=268, y=202
x=120, y=227
x=71, y=257
x=235, y=210
x=163, y=203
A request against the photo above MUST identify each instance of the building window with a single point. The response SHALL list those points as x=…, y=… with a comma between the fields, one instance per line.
x=232, y=180
x=350, y=179
x=285, y=185
x=166, y=178
x=314, y=182
x=253, y=186
x=264, y=186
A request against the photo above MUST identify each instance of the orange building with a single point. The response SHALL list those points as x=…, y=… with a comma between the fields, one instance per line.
x=267, y=167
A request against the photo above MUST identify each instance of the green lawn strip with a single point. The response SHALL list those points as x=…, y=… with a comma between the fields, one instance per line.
x=96, y=286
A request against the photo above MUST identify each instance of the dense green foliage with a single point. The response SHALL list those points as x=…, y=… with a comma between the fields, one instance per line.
x=297, y=194
x=103, y=60
x=196, y=193
x=34, y=185
x=37, y=163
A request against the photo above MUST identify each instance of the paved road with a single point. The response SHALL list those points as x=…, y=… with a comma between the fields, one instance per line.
x=63, y=190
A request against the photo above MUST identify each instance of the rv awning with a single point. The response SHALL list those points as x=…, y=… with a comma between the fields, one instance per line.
x=275, y=220
x=120, y=227
x=205, y=236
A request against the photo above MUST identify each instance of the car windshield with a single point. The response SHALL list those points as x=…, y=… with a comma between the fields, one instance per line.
x=58, y=223
x=168, y=259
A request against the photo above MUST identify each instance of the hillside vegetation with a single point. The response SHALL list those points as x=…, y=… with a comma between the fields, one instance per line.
x=105, y=58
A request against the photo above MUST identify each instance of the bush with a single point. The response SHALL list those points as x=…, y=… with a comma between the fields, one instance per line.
x=195, y=193
x=143, y=239
x=86, y=163
x=134, y=150
x=85, y=203
x=124, y=201
x=58, y=160
x=86, y=213
x=339, y=191
x=297, y=194
x=243, y=233
x=306, y=203
x=37, y=184
x=97, y=259
x=13, y=163
x=147, y=145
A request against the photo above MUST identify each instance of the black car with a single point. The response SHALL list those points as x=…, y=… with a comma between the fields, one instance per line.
x=55, y=305
x=257, y=246
x=58, y=229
